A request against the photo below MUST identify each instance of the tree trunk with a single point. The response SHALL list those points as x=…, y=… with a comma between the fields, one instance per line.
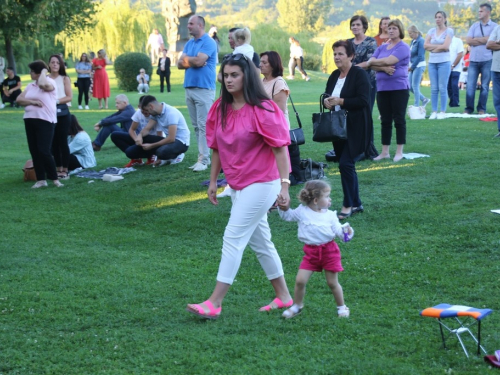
x=10, y=53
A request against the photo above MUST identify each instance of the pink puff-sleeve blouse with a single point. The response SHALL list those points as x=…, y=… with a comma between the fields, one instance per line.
x=245, y=145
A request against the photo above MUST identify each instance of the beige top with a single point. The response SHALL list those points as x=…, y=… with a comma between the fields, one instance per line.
x=273, y=87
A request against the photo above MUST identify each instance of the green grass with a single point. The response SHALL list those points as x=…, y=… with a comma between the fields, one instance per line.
x=94, y=278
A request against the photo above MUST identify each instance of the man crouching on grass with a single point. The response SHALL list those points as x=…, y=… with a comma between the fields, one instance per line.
x=169, y=149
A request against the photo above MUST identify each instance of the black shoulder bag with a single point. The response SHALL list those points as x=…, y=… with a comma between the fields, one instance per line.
x=329, y=126
x=297, y=137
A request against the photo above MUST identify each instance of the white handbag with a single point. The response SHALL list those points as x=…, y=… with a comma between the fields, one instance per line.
x=416, y=113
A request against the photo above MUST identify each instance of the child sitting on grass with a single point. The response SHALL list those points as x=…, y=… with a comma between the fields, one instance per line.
x=318, y=227
x=242, y=39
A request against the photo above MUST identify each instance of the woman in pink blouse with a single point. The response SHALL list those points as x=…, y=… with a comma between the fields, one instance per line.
x=39, y=102
x=249, y=137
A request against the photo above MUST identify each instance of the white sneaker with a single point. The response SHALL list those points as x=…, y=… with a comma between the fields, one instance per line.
x=2, y=106
x=308, y=79
x=140, y=93
x=178, y=159
x=290, y=77
x=87, y=107
x=441, y=115
x=199, y=167
x=226, y=192
x=425, y=102
x=80, y=107
x=433, y=116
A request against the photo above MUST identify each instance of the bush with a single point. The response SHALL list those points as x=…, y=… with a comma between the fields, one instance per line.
x=127, y=68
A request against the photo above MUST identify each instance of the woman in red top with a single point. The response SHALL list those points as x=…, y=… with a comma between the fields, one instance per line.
x=382, y=35
x=249, y=135
x=100, y=89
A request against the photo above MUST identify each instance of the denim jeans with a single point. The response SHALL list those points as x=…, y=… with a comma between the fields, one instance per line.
x=198, y=102
x=105, y=132
x=496, y=94
x=475, y=68
x=415, y=77
x=453, y=90
x=438, y=75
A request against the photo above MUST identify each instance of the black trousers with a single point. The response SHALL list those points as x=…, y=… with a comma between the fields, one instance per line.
x=392, y=107
x=60, y=147
x=11, y=98
x=164, y=75
x=83, y=90
x=348, y=175
x=74, y=163
x=39, y=134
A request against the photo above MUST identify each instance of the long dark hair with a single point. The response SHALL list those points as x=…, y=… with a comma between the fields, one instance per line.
x=86, y=57
x=253, y=90
x=62, y=67
x=74, y=127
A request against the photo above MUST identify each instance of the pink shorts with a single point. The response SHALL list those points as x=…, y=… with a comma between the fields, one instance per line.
x=322, y=257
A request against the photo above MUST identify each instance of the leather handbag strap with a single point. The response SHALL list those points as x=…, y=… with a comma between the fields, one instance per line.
x=296, y=113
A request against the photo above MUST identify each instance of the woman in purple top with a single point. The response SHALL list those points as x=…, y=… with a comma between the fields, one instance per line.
x=391, y=61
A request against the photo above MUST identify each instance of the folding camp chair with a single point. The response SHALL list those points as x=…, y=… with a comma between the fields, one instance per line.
x=469, y=316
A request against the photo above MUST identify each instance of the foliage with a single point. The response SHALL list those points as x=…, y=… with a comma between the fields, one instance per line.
x=27, y=20
x=279, y=43
x=119, y=27
x=95, y=278
x=343, y=31
x=127, y=68
x=297, y=16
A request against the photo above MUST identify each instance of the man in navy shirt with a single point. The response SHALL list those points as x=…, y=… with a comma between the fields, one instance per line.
x=199, y=59
x=109, y=125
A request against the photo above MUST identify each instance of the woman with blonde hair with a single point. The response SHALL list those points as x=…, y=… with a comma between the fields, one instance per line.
x=417, y=64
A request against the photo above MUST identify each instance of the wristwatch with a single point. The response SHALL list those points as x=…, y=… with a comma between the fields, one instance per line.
x=286, y=180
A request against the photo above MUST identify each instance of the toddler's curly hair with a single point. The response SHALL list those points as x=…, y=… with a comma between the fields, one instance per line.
x=312, y=190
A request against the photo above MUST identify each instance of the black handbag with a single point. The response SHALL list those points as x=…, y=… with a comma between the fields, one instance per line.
x=329, y=126
x=297, y=135
x=311, y=170
x=62, y=110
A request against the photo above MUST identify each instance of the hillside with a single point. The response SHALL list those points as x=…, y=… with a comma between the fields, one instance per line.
x=419, y=12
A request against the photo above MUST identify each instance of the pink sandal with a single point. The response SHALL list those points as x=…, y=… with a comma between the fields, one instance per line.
x=212, y=313
x=279, y=303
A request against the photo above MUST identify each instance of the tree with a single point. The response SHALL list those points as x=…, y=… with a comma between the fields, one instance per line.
x=301, y=15
x=26, y=20
x=119, y=28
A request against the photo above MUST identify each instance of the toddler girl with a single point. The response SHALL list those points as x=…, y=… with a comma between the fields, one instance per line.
x=318, y=227
x=242, y=39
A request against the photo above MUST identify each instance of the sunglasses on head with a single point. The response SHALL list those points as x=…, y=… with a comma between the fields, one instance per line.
x=235, y=57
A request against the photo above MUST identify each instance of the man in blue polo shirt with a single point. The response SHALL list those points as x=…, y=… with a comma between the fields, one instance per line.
x=480, y=60
x=198, y=59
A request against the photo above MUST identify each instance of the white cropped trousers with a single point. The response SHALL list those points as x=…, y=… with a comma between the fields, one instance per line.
x=248, y=225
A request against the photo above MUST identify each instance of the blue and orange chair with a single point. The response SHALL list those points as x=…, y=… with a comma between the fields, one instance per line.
x=464, y=316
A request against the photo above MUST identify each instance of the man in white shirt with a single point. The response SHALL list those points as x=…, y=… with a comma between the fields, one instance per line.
x=456, y=54
x=124, y=140
x=172, y=123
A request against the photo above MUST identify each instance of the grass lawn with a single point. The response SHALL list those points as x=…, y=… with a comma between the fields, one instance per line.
x=95, y=278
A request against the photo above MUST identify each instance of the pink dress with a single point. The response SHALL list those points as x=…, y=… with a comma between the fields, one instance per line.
x=100, y=89
x=245, y=145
